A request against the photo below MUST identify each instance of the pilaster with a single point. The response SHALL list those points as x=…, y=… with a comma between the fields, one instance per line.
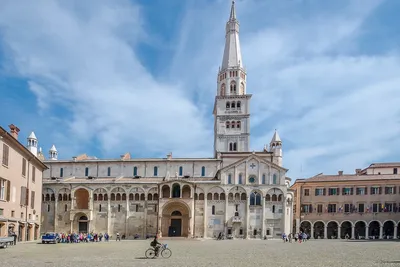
x=205, y=216
x=247, y=217
x=353, y=232
x=108, y=214
x=263, y=218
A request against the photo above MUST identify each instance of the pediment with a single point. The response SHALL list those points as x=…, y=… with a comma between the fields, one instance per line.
x=253, y=160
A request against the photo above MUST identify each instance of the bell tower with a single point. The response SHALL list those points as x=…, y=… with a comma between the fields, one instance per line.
x=231, y=107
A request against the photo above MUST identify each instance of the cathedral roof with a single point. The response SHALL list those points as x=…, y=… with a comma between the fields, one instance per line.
x=232, y=53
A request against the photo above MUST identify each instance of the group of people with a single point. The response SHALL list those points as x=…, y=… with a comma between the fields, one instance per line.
x=82, y=237
x=298, y=237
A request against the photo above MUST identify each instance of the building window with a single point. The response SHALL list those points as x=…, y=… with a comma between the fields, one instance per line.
x=86, y=171
x=213, y=210
x=388, y=207
x=375, y=207
x=361, y=191
x=6, y=150
x=263, y=179
x=33, y=174
x=375, y=190
x=203, y=171
x=109, y=171
x=331, y=208
x=180, y=171
x=228, y=105
x=238, y=105
x=307, y=208
x=320, y=191
x=2, y=189
x=99, y=207
x=274, y=179
x=240, y=179
x=229, y=179
x=394, y=170
x=306, y=192
x=238, y=124
x=333, y=191
x=390, y=190
x=234, y=146
x=347, y=208
x=347, y=191
x=228, y=124
x=61, y=172
x=119, y=208
x=1, y=212
x=319, y=208
x=65, y=207
x=155, y=171
x=135, y=171
x=23, y=167
x=361, y=207
x=273, y=208
x=48, y=207
x=255, y=199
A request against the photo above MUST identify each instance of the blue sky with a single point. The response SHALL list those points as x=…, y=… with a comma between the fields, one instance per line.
x=108, y=77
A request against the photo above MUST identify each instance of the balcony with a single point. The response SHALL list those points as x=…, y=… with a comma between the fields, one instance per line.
x=236, y=219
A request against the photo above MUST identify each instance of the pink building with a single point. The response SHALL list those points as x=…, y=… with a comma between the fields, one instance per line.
x=20, y=186
x=365, y=204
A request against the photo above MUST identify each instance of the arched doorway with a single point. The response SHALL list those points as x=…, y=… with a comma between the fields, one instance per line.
x=388, y=229
x=175, y=219
x=332, y=230
x=345, y=229
x=305, y=227
x=83, y=224
x=21, y=230
x=374, y=228
x=359, y=230
x=319, y=230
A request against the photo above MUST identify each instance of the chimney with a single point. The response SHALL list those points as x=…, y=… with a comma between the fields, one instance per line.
x=358, y=171
x=340, y=172
x=14, y=130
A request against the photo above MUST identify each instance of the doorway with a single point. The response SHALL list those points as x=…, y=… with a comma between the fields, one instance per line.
x=176, y=227
x=83, y=224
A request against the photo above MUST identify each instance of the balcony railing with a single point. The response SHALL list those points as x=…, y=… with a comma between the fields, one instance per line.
x=236, y=219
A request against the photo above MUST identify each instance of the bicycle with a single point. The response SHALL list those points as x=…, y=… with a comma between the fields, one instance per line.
x=163, y=250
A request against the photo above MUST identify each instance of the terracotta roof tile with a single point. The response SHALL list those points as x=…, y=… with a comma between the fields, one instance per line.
x=349, y=177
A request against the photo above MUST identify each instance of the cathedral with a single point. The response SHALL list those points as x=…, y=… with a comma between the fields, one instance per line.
x=242, y=193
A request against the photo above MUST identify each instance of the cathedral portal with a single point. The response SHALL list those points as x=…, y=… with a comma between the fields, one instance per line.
x=175, y=219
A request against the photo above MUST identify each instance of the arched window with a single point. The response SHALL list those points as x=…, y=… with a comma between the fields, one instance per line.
x=99, y=207
x=228, y=124
x=109, y=171
x=233, y=87
x=229, y=179
x=241, y=88
x=155, y=171
x=263, y=178
x=238, y=105
x=240, y=179
x=119, y=208
x=48, y=207
x=228, y=105
x=213, y=210
x=273, y=208
x=258, y=199
x=233, y=105
x=252, y=199
x=233, y=125
x=234, y=147
x=230, y=147
x=176, y=191
x=135, y=171
x=238, y=124
x=203, y=171
x=180, y=171
x=274, y=179
x=223, y=89
x=86, y=171
x=65, y=207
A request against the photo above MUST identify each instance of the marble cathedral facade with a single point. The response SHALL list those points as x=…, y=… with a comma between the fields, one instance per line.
x=240, y=192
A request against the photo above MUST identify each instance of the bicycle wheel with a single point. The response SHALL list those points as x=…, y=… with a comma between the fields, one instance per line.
x=166, y=253
x=150, y=253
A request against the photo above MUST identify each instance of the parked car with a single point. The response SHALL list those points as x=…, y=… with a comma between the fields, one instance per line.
x=50, y=238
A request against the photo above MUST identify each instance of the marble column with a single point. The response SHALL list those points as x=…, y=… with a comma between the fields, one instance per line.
x=71, y=226
x=338, y=232
x=311, y=231
x=205, y=216
x=108, y=215
x=144, y=217
x=226, y=214
x=263, y=217
x=325, y=232
x=192, y=219
x=298, y=226
x=127, y=216
x=366, y=232
x=353, y=232
x=381, y=232
x=247, y=217
x=395, y=232
x=55, y=215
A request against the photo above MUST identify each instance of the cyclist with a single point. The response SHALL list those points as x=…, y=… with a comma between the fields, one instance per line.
x=155, y=244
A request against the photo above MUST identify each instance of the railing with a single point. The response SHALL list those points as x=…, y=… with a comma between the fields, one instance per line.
x=236, y=219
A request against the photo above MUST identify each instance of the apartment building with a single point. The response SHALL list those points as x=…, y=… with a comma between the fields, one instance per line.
x=362, y=205
x=20, y=186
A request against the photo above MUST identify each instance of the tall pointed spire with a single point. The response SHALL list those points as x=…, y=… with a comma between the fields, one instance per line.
x=232, y=54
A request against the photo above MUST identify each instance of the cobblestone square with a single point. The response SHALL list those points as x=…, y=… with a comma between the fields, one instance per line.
x=207, y=253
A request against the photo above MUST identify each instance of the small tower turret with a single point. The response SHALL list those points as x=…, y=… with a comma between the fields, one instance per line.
x=32, y=143
x=275, y=146
x=53, y=154
x=40, y=154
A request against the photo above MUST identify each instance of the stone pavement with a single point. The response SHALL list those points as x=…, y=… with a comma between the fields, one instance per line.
x=314, y=253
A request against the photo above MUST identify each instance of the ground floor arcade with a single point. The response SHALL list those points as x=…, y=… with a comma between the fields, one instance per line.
x=23, y=231
x=355, y=230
